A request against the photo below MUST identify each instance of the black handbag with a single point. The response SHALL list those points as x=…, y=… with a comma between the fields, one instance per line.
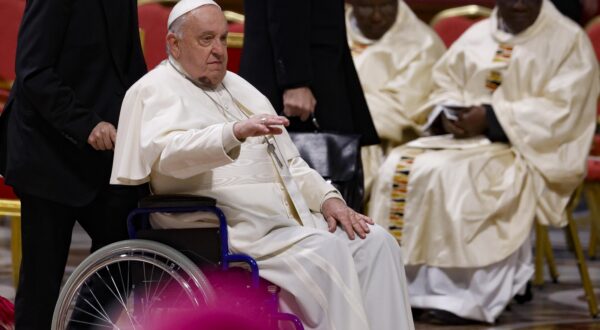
x=336, y=157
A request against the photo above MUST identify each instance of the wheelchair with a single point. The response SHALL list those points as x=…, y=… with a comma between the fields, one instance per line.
x=157, y=273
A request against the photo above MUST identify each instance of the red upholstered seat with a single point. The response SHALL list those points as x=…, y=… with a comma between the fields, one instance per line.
x=6, y=192
x=234, y=46
x=153, y=25
x=593, y=169
x=593, y=31
x=452, y=28
x=11, y=12
x=451, y=23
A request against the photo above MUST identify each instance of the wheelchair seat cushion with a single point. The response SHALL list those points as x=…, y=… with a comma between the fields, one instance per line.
x=161, y=201
x=201, y=245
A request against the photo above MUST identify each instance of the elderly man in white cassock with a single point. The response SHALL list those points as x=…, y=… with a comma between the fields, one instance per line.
x=191, y=127
x=517, y=94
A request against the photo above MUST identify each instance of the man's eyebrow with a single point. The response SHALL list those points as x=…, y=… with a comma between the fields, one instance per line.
x=207, y=33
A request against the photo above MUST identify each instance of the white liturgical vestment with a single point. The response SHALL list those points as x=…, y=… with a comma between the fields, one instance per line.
x=471, y=206
x=395, y=73
x=179, y=138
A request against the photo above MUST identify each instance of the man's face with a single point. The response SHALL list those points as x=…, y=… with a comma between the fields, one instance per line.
x=518, y=15
x=202, y=48
x=375, y=17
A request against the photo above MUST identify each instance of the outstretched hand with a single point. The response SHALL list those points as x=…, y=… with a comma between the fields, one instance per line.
x=336, y=211
x=259, y=125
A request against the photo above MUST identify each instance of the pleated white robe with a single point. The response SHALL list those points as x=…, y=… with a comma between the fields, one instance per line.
x=174, y=136
x=469, y=212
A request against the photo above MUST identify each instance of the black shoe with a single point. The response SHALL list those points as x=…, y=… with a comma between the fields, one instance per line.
x=441, y=317
x=417, y=312
x=525, y=297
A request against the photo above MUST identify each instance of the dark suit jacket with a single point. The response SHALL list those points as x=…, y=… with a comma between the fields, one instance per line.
x=294, y=43
x=75, y=61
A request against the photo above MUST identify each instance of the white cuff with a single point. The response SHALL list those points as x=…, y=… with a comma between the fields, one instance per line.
x=229, y=140
x=329, y=195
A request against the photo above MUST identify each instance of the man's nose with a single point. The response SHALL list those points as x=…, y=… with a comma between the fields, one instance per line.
x=219, y=48
x=376, y=16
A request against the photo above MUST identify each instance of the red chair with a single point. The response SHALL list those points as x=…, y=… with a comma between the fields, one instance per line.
x=451, y=23
x=10, y=207
x=152, y=19
x=235, y=39
x=11, y=12
x=591, y=186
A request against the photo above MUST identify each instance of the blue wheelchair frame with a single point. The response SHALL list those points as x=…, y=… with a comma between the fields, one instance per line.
x=139, y=219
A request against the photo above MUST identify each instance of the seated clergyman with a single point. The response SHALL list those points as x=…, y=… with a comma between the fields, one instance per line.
x=394, y=53
x=191, y=127
x=517, y=94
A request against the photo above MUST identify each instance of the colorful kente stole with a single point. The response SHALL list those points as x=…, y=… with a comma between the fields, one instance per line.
x=502, y=55
x=399, y=190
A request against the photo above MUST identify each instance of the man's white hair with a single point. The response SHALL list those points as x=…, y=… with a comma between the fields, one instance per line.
x=177, y=26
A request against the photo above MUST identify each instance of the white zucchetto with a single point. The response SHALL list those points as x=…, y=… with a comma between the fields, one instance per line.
x=185, y=6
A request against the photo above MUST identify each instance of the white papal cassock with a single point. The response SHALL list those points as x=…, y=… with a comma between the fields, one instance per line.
x=179, y=138
x=469, y=211
x=395, y=73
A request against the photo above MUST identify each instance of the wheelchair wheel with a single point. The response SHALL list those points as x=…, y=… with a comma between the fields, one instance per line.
x=128, y=284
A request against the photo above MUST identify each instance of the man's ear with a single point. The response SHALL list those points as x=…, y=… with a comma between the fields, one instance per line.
x=173, y=44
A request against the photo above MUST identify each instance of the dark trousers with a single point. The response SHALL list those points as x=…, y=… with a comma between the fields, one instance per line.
x=46, y=229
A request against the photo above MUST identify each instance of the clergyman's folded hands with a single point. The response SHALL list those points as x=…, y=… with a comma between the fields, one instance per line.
x=471, y=122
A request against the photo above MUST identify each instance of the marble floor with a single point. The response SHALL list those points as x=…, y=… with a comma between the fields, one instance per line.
x=554, y=306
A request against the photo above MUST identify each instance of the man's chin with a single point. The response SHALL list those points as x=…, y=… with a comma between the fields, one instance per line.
x=213, y=79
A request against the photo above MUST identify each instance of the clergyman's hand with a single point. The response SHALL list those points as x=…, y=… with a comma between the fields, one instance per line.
x=450, y=126
x=103, y=136
x=259, y=125
x=473, y=121
x=335, y=210
x=299, y=102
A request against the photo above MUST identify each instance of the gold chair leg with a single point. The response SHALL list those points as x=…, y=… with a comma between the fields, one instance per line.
x=583, y=270
x=592, y=197
x=593, y=243
x=538, y=278
x=15, y=247
x=549, y=256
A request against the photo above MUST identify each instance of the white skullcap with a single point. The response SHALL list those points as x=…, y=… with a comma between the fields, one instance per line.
x=185, y=6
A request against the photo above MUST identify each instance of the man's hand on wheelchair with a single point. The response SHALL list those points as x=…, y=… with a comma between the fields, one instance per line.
x=259, y=125
x=335, y=210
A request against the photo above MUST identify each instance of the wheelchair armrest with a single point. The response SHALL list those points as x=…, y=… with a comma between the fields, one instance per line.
x=162, y=201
